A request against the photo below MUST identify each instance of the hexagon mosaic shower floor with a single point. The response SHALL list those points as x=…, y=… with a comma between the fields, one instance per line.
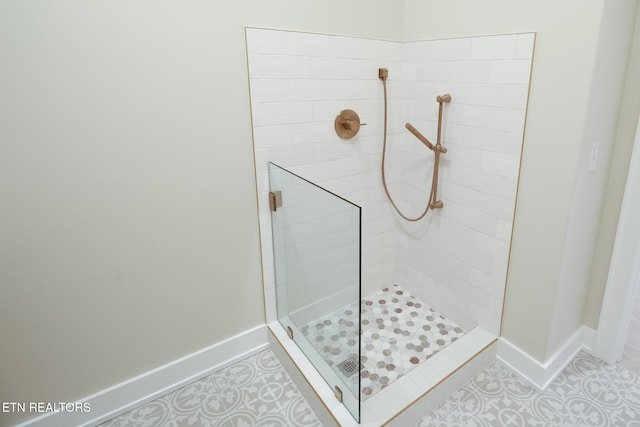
x=398, y=333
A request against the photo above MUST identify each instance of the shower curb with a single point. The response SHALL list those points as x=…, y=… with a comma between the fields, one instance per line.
x=407, y=400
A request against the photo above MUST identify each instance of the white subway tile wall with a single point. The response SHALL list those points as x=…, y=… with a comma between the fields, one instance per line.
x=456, y=258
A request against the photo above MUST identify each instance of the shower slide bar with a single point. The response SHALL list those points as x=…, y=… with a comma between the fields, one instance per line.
x=437, y=150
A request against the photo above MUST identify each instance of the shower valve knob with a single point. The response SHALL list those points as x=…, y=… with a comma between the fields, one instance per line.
x=347, y=124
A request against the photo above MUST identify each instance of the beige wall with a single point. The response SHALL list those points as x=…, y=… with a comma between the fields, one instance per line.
x=128, y=226
x=607, y=88
x=565, y=56
x=629, y=113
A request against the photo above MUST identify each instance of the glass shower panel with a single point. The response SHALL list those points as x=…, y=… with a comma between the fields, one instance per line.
x=316, y=247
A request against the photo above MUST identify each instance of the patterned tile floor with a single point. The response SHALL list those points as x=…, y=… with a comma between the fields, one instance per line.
x=631, y=354
x=257, y=392
x=587, y=393
x=253, y=392
x=398, y=332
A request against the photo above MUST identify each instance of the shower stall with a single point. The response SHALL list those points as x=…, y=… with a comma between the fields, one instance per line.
x=378, y=317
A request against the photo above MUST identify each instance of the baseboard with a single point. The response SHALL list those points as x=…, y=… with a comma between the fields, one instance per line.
x=589, y=341
x=120, y=398
x=538, y=374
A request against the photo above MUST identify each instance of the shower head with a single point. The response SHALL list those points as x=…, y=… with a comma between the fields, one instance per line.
x=418, y=135
x=444, y=98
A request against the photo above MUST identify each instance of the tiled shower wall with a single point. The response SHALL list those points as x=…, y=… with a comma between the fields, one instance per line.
x=456, y=258
x=299, y=83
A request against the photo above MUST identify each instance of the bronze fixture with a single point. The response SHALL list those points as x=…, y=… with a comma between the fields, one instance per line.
x=347, y=124
x=418, y=135
x=275, y=200
x=438, y=149
x=337, y=393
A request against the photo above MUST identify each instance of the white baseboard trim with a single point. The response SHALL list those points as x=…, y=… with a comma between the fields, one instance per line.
x=538, y=374
x=120, y=398
x=589, y=339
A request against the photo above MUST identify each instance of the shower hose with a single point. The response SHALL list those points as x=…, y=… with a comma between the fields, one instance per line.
x=434, y=181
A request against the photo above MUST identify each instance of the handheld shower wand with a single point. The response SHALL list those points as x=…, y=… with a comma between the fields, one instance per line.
x=418, y=135
x=438, y=149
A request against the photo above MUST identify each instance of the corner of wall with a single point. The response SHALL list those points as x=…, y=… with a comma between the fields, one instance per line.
x=589, y=192
x=619, y=167
x=539, y=374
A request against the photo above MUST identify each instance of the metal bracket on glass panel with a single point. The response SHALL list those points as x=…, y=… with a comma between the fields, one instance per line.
x=338, y=393
x=290, y=332
x=275, y=200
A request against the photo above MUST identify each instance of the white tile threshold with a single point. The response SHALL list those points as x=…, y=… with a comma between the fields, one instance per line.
x=406, y=400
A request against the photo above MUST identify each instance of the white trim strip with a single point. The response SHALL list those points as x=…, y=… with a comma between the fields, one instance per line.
x=538, y=374
x=120, y=398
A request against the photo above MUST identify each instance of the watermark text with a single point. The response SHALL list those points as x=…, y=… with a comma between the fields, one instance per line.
x=43, y=407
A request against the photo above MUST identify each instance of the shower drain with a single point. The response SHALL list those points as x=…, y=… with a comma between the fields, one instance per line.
x=349, y=366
